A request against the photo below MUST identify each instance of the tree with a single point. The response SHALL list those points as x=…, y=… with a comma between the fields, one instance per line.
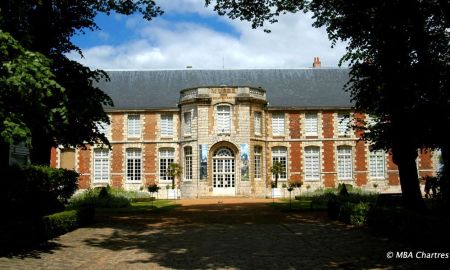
x=27, y=84
x=277, y=169
x=399, y=57
x=174, y=170
x=47, y=26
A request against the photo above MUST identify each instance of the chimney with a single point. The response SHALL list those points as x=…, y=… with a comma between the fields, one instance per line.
x=316, y=63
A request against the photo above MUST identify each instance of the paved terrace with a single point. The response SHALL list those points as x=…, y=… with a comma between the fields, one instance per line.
x=214, y=234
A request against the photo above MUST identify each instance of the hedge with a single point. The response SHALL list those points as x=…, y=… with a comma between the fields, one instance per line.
x=66, y=221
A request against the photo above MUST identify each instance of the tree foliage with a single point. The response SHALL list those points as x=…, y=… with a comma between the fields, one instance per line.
x=47, y=26
x=277, y=169
x=399, y=55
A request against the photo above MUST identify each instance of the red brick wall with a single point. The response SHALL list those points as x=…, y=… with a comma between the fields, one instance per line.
x=84, y=167
x=151, y=120
x=361, y=165
x=328, y=164
x=150, y=164
x=296, y=161
x=294, y=125
x=117, y=165
x=53, y=163
x=117, y=124
x=425, y=163
x=392, y=171
x=327, y=124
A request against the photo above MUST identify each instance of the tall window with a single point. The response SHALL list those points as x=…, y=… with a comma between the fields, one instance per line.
x=343, y=124
x=258, y=123
x=188, y=163
x=134, y=125
x=312, y=163
x=278, y=124
x=258, y=159
x=134, y=164
x=344, y=160
x=279, y=154
x=311, y=125
x=377, y=164
x=187, y=116
x=166, y=125
x=223, y=119
x=166, y=157
x=101, y=165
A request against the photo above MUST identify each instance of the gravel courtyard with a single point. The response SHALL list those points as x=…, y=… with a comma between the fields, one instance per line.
x=215, y=234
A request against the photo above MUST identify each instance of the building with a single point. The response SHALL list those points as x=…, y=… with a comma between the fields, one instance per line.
x=226, y=128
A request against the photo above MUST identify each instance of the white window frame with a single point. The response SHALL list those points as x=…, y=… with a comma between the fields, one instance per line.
x=257, y=162
x=100, y=165
x=377, y=165
x=344, y=120
x=187, y=123
x=188, y=163
x=312, y=163
x=278, y=124
x=345, y=162
x=223, y=119
x=133, y=165
x=166, y=125
x=279, y=153
x=166, y=157
x=258, y=123
x=311, y=124
x=134, y=126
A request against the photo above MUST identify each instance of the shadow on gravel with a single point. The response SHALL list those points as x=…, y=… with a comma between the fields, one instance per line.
x=245, y=236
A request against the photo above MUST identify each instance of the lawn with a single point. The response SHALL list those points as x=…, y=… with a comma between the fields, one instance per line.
x=157, y=206
x=305, y=204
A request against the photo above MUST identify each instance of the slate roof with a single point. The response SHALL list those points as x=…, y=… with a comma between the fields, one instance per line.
x=286, y=88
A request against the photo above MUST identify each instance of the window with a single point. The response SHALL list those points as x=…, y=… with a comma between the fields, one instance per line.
x=343, y=124
x=103, y=128
x=133, y=164
x=187, y=116
x=279, y=154
x=101, y=165
x=311, y=124
x=134, y=125
x=312, y=163
x=258, y=159
x=188, y=163
x=223, y=119
x=344, y=160
x=278, y=124
x=258, y=123
x=166, y=125
x=67, y=159
x=166, y=157
x=377, y=164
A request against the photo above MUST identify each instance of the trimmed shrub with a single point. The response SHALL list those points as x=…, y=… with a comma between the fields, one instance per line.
x=352, y=208
x=103, y=198
x=66, y=221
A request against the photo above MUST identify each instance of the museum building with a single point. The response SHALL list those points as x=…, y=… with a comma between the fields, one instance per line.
x=226, y=128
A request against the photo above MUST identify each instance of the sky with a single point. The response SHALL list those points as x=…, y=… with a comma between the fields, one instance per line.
x=189, y=34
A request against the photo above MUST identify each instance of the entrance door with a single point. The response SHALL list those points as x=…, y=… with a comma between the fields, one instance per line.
x=223, y=172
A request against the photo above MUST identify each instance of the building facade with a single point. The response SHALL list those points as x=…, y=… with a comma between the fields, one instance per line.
x=226, y=135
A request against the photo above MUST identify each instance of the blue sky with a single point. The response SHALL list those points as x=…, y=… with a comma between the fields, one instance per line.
x=188, y=34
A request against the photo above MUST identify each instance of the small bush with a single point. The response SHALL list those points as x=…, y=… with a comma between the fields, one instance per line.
x=102, y=198
x=66, y=221
x=352, y=208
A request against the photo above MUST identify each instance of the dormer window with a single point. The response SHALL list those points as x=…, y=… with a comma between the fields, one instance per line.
x=223, y=118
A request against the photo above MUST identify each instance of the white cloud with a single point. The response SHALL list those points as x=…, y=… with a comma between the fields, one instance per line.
x=164, y=44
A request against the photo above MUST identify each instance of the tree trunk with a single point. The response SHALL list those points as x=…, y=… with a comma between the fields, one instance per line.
x=40, y=152
x=405, y=158
x=445, y=174
x=4, y=154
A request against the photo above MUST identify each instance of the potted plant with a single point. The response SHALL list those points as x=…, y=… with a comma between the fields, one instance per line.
x=152, y=188
x=276, y=169
x=174, y=171
x=291, y=185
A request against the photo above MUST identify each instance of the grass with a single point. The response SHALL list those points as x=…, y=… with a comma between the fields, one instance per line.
x=157, y=206
x=299, y=205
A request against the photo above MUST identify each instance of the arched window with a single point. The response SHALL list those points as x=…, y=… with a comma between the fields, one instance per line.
x=344, y=162
x=188, y=163
x=279, y=154
x=312, y=163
